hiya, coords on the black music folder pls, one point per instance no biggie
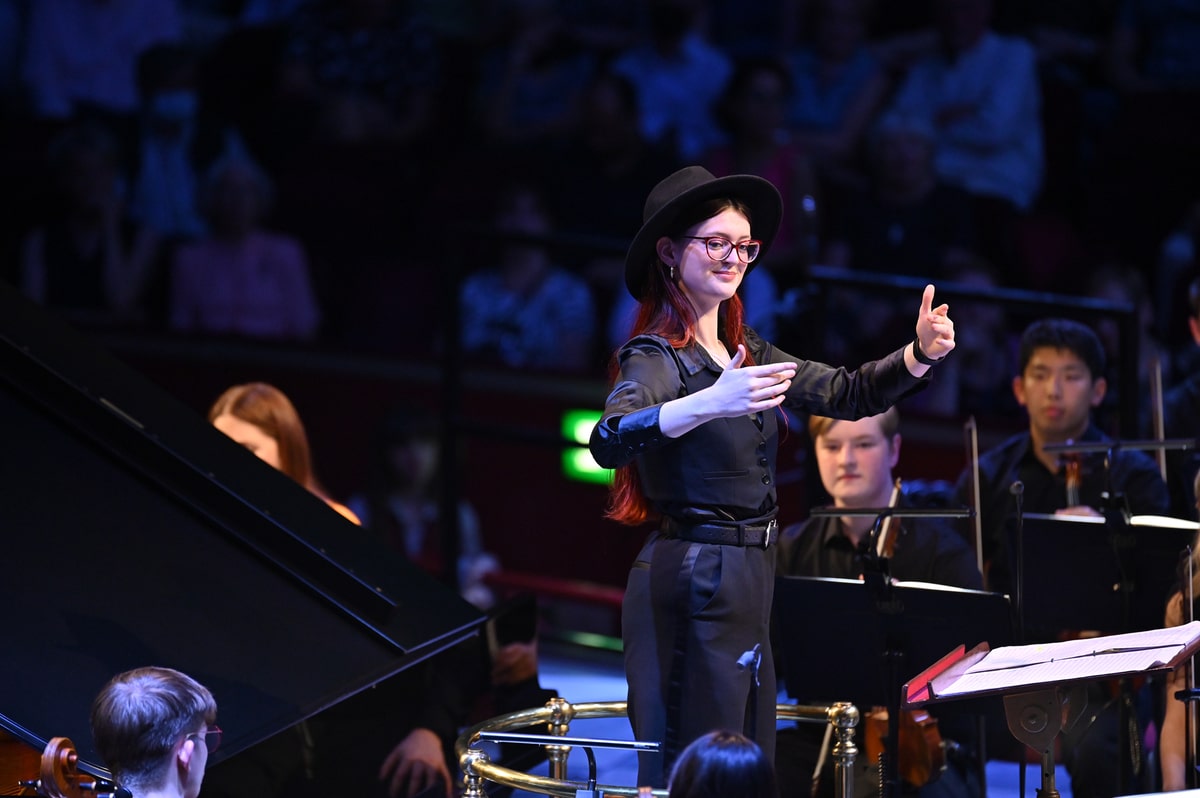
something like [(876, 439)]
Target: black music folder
[(1080, 573), (137, 534)]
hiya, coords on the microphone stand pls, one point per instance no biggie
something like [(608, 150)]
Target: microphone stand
[(1017, 489), (1123, 541)]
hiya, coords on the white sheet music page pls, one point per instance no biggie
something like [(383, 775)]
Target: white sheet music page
[(1009, 667)]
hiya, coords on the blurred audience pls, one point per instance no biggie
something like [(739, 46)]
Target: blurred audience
[(678, 75), (359, 71), (1153, 46), (90, 260), (531, 84), (908, 220), (1181, 420), (176, 142), (751, 112), (838, 87), (599, 180), (1124, 286), (240, 279), (80, 55), (980, 92), (521, 310), (401, 503)]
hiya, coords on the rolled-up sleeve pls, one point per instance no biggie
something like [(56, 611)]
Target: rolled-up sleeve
[(648, 377)]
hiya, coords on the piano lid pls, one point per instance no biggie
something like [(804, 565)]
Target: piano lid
[(136, 534)]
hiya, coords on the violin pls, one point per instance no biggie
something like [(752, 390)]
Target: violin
[(1073, 462), (922, 751)]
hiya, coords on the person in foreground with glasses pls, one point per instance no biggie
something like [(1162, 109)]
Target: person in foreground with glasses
[(692, 431), (155, 729)]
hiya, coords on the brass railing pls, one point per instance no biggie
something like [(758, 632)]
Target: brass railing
[(558, 714)]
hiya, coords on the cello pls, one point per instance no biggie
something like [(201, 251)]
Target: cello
[(57, 772)]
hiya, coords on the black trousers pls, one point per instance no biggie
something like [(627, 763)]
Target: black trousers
[(691, 612)]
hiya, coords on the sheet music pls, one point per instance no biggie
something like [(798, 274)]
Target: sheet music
[(1011, 667)]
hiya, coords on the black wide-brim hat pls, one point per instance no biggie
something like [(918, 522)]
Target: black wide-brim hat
[(683, 190)]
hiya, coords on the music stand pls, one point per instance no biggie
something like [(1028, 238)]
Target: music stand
[(1125, 581), (862, 641), (1041, 683)]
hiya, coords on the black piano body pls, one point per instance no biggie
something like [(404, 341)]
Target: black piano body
[(135, 534)]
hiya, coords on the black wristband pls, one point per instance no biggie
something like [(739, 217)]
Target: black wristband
[(921, 356)]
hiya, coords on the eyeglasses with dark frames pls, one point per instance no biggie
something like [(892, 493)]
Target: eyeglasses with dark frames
[(212, 738), (718, 248)]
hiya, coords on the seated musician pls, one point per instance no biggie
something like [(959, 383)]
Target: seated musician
[(1059, 380), (395, 739), (855, 460), (155, 728), (1173, 744)]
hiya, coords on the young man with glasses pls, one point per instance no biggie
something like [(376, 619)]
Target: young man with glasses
[(155, 728)]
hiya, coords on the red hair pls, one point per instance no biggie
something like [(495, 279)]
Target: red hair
[(666, 311), (269, 409)]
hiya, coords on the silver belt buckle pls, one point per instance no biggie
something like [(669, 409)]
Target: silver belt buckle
[(771, 526)]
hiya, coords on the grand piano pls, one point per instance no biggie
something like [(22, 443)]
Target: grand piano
[(135, 534)]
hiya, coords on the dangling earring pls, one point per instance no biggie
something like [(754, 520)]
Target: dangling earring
[(672, 272)]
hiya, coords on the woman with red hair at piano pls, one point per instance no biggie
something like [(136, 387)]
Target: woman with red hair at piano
[(262, 418)]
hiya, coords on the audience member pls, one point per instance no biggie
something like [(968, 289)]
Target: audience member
[(532, 83), (904, 221), (838, 87), (856, 460), (908, 220), (1153, 46), (90, 262), (1060, 379), (523, 310), (722, 764), (751, 112), (1124, 286), (80, 55), (980, 92), (358, 71), (401, 504), (678, 76), (263, 419), (177, 141), (1181, 420), (988, 345), (601, 176), (12, 46), (155, 729), (241, 279), (1177, 266)]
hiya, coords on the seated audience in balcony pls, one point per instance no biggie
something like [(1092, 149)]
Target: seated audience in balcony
[(241, 279), (520, 309), (89, 260)]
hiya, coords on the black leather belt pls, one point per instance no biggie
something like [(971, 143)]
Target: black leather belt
[(728, 533)]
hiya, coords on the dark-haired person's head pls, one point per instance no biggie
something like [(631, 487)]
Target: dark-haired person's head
[(723, 764), (1065, 334), (1061, 378), (154, 728)]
